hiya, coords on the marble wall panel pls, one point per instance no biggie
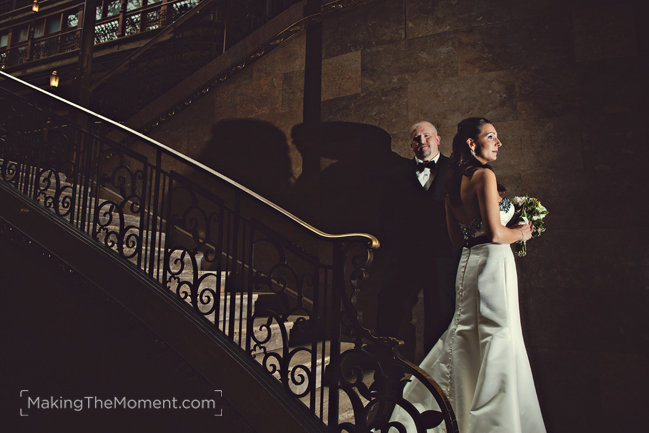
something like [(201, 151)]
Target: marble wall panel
[(366, 25), (610, 260), (623, 316), (427, 17), (512, 44), (623, 376), (564, 268), (560, 318), (446, 102), (527, 9), (551, 145), (231, 94), (613, 86), (545, 39), (292, 91), (549, 91), (627, 86), (604, 33), (288, 58), (245, 97), (191, 138), (341, 75), (615, 141), (567, 195), (417, 60), (615, 193), (489, 48), (568, 389), (386, 109)]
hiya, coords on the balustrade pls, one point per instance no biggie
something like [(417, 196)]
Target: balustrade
[(216, 246)]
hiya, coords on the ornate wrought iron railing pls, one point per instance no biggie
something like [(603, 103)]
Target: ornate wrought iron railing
[(218, 247)]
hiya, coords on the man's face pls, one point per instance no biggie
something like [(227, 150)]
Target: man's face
[(424, 141)]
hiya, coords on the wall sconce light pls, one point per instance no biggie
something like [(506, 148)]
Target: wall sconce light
[(54, 80), (35, 6)]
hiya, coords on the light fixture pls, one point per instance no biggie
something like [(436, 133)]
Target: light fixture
[(54, 80), (35, 6)]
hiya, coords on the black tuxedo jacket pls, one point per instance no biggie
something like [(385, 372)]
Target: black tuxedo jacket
[(413, 219)]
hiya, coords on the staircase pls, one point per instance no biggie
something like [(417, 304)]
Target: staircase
[(190, 244), (118, 230)]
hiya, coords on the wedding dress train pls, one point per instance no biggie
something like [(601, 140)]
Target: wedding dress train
[(480, 362)]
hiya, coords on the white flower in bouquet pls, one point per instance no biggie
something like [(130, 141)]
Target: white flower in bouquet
[(530, 209)]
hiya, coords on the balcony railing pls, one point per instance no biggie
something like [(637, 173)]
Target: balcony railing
[(29, 37), (109, 28)]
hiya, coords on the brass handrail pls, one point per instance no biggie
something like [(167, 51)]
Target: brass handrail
[(372, 241)]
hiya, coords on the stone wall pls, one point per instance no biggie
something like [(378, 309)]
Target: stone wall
[(565, 84)]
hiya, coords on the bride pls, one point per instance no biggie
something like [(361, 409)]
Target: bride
[(480, 362)]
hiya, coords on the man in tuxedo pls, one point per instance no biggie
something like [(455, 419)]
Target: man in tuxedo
[(420, 255)]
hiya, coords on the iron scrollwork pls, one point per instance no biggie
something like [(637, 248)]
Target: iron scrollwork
[(208, 244), (374, 397)]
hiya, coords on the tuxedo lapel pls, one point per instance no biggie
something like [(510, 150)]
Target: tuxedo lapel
[(412, 175), (437, 189), (431, 179)]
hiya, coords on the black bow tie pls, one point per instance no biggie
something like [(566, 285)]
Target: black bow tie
[(421, 166)]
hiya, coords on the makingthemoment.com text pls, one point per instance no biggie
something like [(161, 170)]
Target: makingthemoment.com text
[(117, 403)]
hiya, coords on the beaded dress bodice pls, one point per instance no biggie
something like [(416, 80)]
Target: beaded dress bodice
[(475, 228)]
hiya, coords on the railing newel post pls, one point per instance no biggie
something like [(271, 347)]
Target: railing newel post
[(338, 287), (154, 217)]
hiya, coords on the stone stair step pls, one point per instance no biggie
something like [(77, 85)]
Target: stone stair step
[(240, 306), (241, 302), (210, 281), (346, 412), (102, 232), (302, 357), (261, 333)]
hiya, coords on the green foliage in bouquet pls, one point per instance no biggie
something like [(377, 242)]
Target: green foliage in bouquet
[(529, 209)]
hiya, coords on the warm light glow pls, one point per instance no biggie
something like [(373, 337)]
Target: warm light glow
[(54, 80), (35, 6)]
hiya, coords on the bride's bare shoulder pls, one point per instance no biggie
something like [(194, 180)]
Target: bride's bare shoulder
[(483, 175)]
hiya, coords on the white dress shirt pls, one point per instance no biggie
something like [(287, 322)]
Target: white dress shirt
[(423, 176)]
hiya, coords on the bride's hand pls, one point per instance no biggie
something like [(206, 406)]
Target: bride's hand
[(526, 229)]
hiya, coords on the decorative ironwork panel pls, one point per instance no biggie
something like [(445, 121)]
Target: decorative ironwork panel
[(70, 42), (154, 19), (106, 31), (132, 24), (182, 7), (46, 48)]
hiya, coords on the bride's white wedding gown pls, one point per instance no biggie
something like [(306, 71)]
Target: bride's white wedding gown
[(480, 362)]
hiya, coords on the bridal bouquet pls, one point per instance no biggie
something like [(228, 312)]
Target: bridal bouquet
[(529, 209)]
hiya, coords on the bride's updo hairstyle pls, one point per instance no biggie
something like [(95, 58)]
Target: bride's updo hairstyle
[(462, 162)]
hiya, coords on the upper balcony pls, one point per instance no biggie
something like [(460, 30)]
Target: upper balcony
[(173, 39), (55, 30), (30, 38)]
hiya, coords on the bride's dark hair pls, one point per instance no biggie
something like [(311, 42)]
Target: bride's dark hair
[(462, 162)]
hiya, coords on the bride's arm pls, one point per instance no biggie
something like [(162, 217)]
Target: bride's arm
[(489, 201), (454, 231)]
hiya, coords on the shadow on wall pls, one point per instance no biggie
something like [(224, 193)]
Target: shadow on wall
[(346, 193), (340, 197), (253, 153), (342, 181)]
